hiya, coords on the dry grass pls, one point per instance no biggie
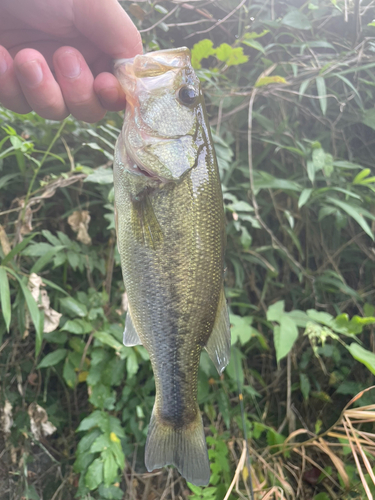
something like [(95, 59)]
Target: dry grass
[(282, 475)]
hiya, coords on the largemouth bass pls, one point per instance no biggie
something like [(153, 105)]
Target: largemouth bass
[(171, 239)]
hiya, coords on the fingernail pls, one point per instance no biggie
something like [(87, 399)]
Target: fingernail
[(3, 66), (110, 95), (69, 65), (31, 73)]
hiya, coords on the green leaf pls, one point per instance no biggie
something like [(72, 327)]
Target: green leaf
[(118, 454), (267, 80), (51, 238), (132, 364), (5, 297), (356, 324), (355, 213), (361, 175), (322, 93), (349, 84), (231, 56), (160, 9), (77, 326), (363, 356), (107, 339), (102, 397), (73, 307), (284, 336), (110, 467), (320, 317), (37, 249), (254, 34), (275, 311), (318, 158), (224, 406), (53, 358), (201, 50), (241, 329), (103, 442), (305, 385), (45, 259), (303, 88), (111, 492), (96, 419), (85, 443), (310, 171), (328, 165), (304, 197), (295, 19), (94, 474), (17, 249), (369, 118), (69, 374), (101, 175), (254, 45)]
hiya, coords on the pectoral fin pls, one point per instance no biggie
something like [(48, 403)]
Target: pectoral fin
[(145, 225), (131, 336), (218, 345)]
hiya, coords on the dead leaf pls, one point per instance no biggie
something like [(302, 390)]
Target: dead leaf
[(4, 242), (51, 317), (27, 227), (136, 11), (39, 424), (79, 222), (6, 418)]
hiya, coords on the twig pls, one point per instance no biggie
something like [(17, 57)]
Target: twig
[(221, 21), (160, 20)]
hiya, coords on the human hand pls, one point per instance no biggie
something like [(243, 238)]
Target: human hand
[(55, 56)]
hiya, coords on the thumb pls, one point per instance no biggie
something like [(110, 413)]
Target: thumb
[(108, 26)]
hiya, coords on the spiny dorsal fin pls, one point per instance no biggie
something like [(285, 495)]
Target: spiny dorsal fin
[(218, 345)]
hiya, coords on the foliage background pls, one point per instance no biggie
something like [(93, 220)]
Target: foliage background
[(298, 183)]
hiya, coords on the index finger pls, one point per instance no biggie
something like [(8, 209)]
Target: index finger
[(106, 24)]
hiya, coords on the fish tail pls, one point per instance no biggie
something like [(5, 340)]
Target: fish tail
[(184, 447)]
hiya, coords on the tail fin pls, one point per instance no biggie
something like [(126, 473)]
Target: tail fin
[(184, 448)]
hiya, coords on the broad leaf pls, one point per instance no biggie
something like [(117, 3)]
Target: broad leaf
[(284, 337), (53, 358), (363, 355)]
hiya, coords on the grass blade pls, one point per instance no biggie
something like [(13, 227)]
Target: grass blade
[(322, 93), (5, 297)]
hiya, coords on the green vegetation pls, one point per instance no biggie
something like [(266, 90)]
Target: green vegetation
[(298, 182)]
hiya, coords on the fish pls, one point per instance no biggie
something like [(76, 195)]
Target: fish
[(171, 239)]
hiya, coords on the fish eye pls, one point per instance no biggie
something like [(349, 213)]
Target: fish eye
[(187, 95)]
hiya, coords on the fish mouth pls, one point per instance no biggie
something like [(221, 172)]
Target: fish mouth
[(139, 169)]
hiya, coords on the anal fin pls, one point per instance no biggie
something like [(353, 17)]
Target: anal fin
[(131, 337), (218, 345)]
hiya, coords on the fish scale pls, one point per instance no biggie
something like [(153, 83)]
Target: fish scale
[(171, 239)]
